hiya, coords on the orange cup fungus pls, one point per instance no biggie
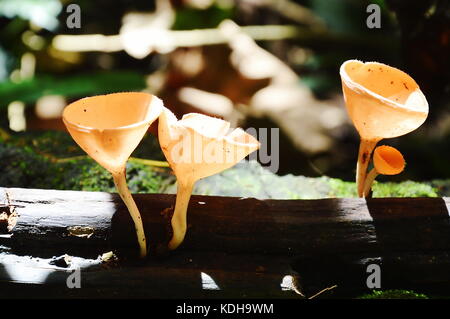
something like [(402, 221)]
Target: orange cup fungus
[(387, 160), (198, 146), (382, 102), (108, 128)]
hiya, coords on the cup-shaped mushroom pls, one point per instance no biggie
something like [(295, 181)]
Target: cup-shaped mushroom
[(382, 102), (108, 128), (198, 146), (387, 160)]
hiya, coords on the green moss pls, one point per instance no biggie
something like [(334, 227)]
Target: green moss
[(21, 167), (143, 179), (250, 179), (58, 144), (339, 188), (27, 160), (404, 189), (393, 294), (89, 176), (61, 145)]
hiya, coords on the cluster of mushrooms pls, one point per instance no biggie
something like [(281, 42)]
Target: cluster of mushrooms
[(109, 127), (382, 101)]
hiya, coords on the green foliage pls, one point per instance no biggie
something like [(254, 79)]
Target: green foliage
[(41, 12), (341, 16), (189, 18), (3, 64), (30, 90), (348, 16), (393, 294)]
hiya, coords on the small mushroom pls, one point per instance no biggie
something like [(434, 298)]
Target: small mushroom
[(387, 160), (198, 146), (382, 102), (108, 128)]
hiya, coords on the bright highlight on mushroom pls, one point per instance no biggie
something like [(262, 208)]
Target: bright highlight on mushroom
[(382, 102), (387, 160), (108, 128), (198, 146)]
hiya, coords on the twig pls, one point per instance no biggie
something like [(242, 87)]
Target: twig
[(131, 159), (203, 37), (322, 291), (149, 162), (183, 38), (65, 160)]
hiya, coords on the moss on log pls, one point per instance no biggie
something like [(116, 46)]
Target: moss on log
[(28, 161)]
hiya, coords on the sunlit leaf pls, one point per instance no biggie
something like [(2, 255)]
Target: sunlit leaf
[(41, 12)]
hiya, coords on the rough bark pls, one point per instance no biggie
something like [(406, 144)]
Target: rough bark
[(246, 245)]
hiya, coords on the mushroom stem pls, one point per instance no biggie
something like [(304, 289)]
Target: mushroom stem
[(366, 148), (179, 224), (121, 185), (369, 181)]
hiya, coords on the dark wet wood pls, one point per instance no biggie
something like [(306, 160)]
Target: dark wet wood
[(247, 244), (94, 222)]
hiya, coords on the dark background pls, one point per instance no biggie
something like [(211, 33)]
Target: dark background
[(414, 36)]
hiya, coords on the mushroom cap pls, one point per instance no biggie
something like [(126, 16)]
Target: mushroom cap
[(382, 101), (388, 160), (198, 146), (109, 127)]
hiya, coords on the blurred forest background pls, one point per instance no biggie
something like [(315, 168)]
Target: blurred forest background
[(255, 63)]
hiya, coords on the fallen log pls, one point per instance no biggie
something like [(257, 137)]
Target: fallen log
[(64, 221), (249, 243)]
